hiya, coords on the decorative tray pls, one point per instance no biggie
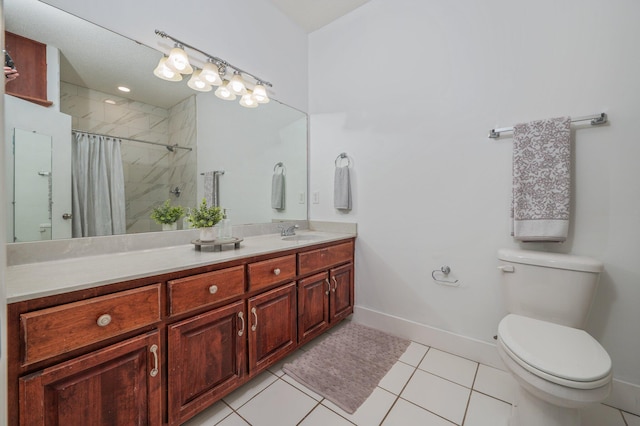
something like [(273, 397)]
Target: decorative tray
[(217, 244)]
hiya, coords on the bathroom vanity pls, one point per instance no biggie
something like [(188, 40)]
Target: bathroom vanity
[(141, 344)]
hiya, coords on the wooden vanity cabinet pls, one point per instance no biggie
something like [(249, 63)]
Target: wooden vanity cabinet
[(117, 385)]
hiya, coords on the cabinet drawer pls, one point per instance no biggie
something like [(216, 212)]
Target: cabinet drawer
[(201, 290), (54, 331), (272, 271), (317, 260)]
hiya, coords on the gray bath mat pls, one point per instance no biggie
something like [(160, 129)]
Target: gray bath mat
[(347, 366)]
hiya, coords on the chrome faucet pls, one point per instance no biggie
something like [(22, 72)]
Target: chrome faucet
[(286, 231)]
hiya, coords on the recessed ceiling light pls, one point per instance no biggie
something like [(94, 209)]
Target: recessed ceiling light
[(124, 89), (109, 101)]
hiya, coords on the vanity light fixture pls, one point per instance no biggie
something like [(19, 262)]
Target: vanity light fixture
[(164, 72), (213, 73), (196, 82)]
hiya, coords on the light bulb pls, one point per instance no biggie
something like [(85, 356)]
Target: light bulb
[(211, 74), (178, 61), (248, 101), (237, 84), (164, 72), (223, 92), (260, 94), (197, 83)]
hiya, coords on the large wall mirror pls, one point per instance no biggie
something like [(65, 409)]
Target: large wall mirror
[(85, 65)]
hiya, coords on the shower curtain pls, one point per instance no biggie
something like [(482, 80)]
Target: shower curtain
[(97, 186)]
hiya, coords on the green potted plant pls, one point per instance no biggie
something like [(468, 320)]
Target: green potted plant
[(167, 215), (205, 218)]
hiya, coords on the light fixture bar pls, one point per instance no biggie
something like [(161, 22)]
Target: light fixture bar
[(222, 61)]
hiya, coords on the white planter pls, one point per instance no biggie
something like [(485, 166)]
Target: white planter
[(208, 234), (170, 226)]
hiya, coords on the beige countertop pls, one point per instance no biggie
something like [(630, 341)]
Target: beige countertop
[(33, 280)]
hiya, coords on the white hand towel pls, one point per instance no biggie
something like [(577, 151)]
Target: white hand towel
[(342, 189), (277, 191), (541, 180), (210, 187)]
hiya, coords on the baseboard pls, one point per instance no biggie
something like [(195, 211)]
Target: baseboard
[(624, 396)]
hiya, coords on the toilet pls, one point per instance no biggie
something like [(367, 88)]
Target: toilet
[(558, 366)]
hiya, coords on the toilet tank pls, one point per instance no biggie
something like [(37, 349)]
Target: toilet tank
[(554, 287)]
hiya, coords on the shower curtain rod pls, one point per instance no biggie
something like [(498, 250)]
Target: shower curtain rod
[(169, 147), (595, 120)]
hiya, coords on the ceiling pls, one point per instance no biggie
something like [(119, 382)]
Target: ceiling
[(314, 14)]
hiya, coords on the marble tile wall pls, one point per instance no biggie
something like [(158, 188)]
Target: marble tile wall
[(150, 171)]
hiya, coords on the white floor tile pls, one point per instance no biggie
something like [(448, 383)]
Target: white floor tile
[(631, 419), (240, 396), (600, 414), (302, 387), (278, 405), (233, 420), (440, 396), (371, 412), (414, 353), (448, 366), (395, 380), (486, 411), (405, 413), (496, 383), (322, 416), (211, 416)]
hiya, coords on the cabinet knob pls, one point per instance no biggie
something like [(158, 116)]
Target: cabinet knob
[(213, 289), (276, 271), (104, 320)]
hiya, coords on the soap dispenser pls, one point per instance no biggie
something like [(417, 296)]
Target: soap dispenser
[(226, 232)]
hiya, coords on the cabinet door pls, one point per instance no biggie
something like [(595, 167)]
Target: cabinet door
[(313, 306), (206, 356), (272, 319), (341, 297), (117, 385)]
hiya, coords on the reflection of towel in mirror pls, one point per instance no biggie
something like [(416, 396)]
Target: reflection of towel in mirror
[(342, 189), (209, 187), (277, 191), (541, 180)]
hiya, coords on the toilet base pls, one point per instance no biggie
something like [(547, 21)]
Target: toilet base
[(529, 410)]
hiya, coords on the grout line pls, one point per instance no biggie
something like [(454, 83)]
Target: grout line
[(473, 382)]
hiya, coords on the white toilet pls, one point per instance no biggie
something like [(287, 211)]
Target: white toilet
[(558, 366)]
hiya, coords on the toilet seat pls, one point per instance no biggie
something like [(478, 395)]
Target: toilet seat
[(562, 355)]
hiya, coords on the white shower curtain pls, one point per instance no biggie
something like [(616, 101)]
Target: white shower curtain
[(97, 186)]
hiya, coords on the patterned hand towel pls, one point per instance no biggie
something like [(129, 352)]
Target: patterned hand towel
[(342, 189), (277, 191), (541, 180)]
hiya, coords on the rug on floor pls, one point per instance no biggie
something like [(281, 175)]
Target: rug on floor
[(346, 366)]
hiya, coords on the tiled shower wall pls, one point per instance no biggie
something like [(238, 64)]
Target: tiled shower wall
[(150, 171)]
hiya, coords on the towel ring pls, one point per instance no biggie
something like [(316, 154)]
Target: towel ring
[(280, 164), (341, 156), (444, 270)]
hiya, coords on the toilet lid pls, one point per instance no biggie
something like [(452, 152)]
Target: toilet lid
[(560, 351)]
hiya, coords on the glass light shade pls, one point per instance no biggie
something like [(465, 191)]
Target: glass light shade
[(164, 72), (223, 92), (178, 61), (210, 74), (196, 82), (236, 85), (248, 101), (260, 94)]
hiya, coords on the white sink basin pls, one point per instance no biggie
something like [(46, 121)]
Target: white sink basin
[(302, 237)]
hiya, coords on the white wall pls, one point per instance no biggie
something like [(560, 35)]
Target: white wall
[(410, 90), (250, 34)]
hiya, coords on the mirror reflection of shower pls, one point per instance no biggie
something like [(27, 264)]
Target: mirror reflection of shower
[(177, 191)]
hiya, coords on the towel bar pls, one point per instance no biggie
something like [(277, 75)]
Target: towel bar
[(595, 121)]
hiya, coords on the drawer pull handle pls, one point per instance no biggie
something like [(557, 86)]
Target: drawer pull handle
[(335, 284), (328, 286), (276, 271), (104, 320), (213, 289), (255, 316), (154, 350), (241, 316)]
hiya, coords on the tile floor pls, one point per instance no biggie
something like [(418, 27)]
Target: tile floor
[(426, 387)]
